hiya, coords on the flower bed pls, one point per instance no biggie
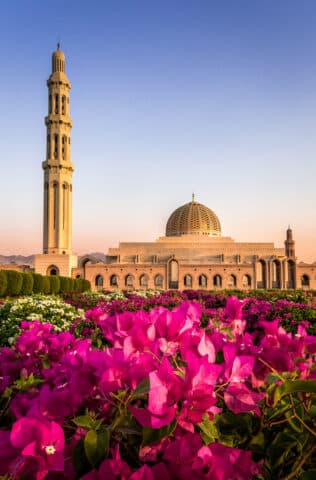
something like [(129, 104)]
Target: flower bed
[(198, 390), (37, 307)]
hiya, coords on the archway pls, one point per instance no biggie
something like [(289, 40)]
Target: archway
[(276, 274), (261, 274), (217, 281), (53, 270), (143, 281), (305, 281), (98, 282), (158, 280), (187, 281), (203, 281), (173, 274)]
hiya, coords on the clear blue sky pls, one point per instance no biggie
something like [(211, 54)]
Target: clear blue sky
[(168, 97)]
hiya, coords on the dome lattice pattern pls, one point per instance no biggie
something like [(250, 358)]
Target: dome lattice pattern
[(193, 219)]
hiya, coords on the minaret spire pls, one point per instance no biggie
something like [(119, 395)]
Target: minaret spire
[(289, 244), (57, 166)]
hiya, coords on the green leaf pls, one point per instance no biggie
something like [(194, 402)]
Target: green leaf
[(84, 421), (154, 435), (209, 430), (103, 443), (91, 446), (273, 378), (293, 386), (219, 357), (283, 443), (79, 459), (142, 389), (257, 442), (46, 363)]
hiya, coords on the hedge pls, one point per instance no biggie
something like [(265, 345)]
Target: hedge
[(14, 284), (27, 284), (38, 286), (54, 284), (3, 282), (46, 285)]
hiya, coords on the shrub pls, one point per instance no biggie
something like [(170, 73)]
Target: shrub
[(3, 282), (27, 284), (86, 285), (14, 284), (64, 284), (46, 285), (54, 284), (38, 285), (71, 284)]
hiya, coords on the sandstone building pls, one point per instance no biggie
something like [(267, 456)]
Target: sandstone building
[(192, 254)]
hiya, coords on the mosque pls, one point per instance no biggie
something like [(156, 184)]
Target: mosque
[(192, 254)]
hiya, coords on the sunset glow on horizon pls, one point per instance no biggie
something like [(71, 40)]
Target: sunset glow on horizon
[(167, 99)]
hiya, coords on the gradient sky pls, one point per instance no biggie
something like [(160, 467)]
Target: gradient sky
[(168, 97)]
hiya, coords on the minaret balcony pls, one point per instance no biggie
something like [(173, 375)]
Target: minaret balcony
[(56, 118), (57, 164)]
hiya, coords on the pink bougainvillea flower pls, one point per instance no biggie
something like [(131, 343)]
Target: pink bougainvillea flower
[(237, 368), (225, 463), (8, 453), (143, 473), (239, 399), (180, 454), (233, 308), (41, 440), (111, 469), (165, 390)]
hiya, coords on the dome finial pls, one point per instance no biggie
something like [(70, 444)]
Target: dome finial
[(193, 198), (58, 45)]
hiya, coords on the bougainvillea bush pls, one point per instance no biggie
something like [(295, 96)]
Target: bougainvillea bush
[(160, 394)]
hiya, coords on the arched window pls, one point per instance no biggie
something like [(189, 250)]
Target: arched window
[(64, 147), (158, 280), (291, 274), (53, 270), (50, 108), (246, 281), (305, 281), (48, 146), (56, 104), (232, 281), (63, 105), (78, 276), (203, 281), (187, 281), (173, 274), (143, 281), (114, 280), (276, 274), (99, 281), (56, 146), (261, 274), (129, 281), (217, 281), (55, 187)]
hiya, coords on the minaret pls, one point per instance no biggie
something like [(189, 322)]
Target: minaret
[(57, 258), (57, 166), (289, 244)]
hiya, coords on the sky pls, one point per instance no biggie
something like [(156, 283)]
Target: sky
[(168, 97)]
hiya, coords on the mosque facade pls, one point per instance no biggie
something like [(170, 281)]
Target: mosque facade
[(192, 254)]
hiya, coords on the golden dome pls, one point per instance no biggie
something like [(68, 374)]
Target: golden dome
[(193, 219)]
